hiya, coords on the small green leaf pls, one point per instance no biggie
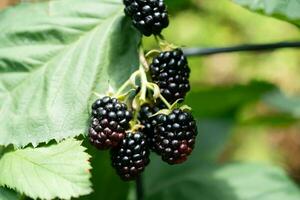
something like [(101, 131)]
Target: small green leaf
[(53, 56), (57, 171), (6, 194), (229, 182), (225, 101), (288, 10), (213, 135)]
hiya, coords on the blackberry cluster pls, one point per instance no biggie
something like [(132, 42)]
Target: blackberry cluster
[(170, 71), (148, 16), (131, 157), (171, 136), (110, 120)]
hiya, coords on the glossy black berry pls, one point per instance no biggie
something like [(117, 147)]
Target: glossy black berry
[(174, 136), (110, 120), (170, 71), (131, 156), (147, 121), (148, 16)]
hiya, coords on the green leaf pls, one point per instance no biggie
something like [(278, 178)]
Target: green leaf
[(229, 182), (224, 101), (6, 194), (57, 171), (213, 135), (284, 103), (53, 56), (288, 10)]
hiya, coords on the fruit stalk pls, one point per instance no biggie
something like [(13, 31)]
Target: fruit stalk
[(139, 188)]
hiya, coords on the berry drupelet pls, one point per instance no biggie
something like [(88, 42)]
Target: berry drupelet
[(110, 120), (147, 121), (148, 16), (170, 71), (131, 157), (174, 136)]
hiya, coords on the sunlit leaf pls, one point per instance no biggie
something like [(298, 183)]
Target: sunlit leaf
[(53, 56), (57, 171)]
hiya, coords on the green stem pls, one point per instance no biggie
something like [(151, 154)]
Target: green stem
[(165, 101), (151, 87), (135, 121), (139, 188), (153, 51), (144, 83), (157, 40), (123, 87), (161, 37), (143, 59), (127, 83)]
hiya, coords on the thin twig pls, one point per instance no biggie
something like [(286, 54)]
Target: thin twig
[(239, 48)]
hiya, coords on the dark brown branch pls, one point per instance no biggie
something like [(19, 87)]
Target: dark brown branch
[(240, 48)]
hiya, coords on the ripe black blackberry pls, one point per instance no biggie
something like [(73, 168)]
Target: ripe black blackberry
[(110, 120), (148, 16), (131, 157), (170, 71), (174, 136), (148, 122)]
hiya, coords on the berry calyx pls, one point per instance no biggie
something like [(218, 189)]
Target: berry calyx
[(170, 71), (110, 120), (148, 16), (131, 156)]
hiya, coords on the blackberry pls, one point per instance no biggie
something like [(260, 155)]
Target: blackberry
[(110, 120), (147, 121), (174, 136), (131, 157), (148, 16), (170, 71)]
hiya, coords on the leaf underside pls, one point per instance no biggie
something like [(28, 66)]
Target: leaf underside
[(53, 56), (283, 103), (229, 182)]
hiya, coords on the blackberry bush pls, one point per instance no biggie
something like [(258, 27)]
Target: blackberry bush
[(170, 71), (174, 135), (131, 157), (110, 120), (148, 16)]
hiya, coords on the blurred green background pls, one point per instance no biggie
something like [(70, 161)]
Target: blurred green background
[(255, 92)]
